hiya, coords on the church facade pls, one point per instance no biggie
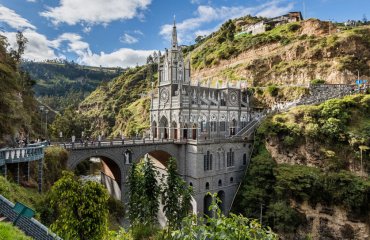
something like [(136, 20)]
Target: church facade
[(205, 120)]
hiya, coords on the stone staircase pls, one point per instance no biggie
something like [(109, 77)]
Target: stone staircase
[(29, 226)]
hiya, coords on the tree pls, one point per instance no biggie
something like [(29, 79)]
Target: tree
[(176, 196), (199, 39), (134, 195), (82, 208), (70, 123), (221, 227), (151, 192), (21, 46)]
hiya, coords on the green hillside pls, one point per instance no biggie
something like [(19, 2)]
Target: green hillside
[(290, 54), (18, 106), (293, 53), (310, 158), (60, 84), (116, 106)]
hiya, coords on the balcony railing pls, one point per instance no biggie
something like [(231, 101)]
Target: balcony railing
[(26, 154)]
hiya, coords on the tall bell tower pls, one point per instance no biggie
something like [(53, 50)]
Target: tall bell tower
[(173, 71)]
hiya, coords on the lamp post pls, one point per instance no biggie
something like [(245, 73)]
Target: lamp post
[(41, 110), (46, 123)]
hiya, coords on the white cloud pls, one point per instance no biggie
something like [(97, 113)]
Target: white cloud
[(274, 10), (94, 11), (38, 47), (138, 32), (127, 38), (87, 29), (189, 28), (32, 1), (124, 57), (14, 20)]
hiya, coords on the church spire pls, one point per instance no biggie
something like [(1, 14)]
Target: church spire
[(174, 34)]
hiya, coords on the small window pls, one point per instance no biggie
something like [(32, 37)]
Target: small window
[(244, 159), (190, 184), (222, 126), (207, 161), (213, 126), (207, 186), (231, 180), (203, 126), (230, 158), (220, 183)]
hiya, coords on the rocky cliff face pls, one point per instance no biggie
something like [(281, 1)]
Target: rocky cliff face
[(317, 50), (329, 222)]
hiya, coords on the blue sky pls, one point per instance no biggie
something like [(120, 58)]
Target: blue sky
[(123, 32)]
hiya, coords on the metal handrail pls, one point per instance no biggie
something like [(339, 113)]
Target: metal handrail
[(15, 155)]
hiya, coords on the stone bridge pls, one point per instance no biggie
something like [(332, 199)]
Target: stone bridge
[(226, 159), (117, 157)]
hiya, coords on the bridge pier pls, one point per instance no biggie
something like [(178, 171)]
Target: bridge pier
[(17, 174), (39, 180)]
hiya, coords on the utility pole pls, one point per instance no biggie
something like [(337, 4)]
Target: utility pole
[(261, 213)]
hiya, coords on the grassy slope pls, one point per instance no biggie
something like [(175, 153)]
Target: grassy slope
[(116, 105), (315, 52), (9, 232), (14, 193)]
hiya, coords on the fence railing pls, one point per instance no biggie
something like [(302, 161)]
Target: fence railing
[(15, 155)]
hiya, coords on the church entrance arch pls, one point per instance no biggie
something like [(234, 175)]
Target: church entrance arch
[(185, 131), (174, 130), (163, 128)]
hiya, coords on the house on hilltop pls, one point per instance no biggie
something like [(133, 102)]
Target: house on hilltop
[(266, 25)]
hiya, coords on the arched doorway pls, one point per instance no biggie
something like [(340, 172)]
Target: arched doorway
[(174, 130), (233, 127), (154, 129), (221, 204), (207, 201), (194, 131), (185, 131), (163, 128)]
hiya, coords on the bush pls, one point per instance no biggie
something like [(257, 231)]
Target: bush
[(294, 27), (317, 81), (285, 218), (273, 90), (116, 208), (289, 141)]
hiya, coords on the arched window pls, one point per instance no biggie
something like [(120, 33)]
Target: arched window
[(207, 160), (244, 159), (222, 126), (231, 180), (213, 126), (203, 126), (190, 184), (219, 182), (230, 158), (207, 185)]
